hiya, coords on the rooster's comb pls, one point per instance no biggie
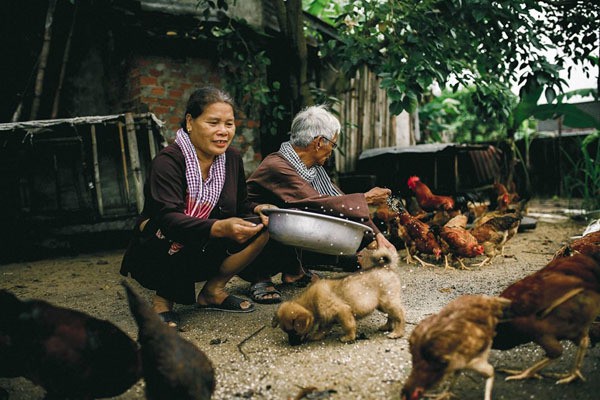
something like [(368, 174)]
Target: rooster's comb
[(412, 181)]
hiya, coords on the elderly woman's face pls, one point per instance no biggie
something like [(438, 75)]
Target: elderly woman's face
[(325, 148), (212, 131)]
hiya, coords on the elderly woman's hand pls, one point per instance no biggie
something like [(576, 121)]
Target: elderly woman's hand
[(377, 195), (258, 210), (383, 242), (236, 229)]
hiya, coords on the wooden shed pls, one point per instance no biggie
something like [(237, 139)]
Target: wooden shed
[(447, 168), (64, 178)]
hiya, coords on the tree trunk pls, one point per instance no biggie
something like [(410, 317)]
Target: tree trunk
[(63, 66), (291, 23), (39, 82)]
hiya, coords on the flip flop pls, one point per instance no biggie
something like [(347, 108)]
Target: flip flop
[(170, 317), (230, 304), (259, 290)]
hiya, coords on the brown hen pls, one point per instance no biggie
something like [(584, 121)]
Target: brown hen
[(458, 337), (426, 199), (588, 245), (494, 233), (558, 302), (173, 367), (504, 197), (72, 355), (456, 242), (417, 237)]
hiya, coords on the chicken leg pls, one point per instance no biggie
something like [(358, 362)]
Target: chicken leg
[(488, 260), (530, 372), (423, 263), (575, 372)]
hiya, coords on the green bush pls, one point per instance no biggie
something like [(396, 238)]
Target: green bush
[(585, 178)]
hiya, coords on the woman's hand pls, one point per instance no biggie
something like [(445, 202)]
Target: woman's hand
[(377, 195), (236, 229), (258, 210)]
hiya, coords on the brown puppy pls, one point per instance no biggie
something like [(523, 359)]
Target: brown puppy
[(311, 315)]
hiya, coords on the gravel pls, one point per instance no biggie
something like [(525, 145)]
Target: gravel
[(254, 361)]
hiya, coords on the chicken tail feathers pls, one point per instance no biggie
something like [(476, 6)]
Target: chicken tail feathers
[(11, 307), (141, 311)]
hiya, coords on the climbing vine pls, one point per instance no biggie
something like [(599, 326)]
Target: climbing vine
[(247, 62)]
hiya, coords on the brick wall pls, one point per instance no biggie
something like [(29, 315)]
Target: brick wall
[(162, 86)]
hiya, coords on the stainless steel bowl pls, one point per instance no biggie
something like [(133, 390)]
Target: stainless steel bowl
[(315, 232)]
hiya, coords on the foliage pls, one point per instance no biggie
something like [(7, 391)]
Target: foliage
[(585, 178), (326, 10), (488, 44), (248, 62), (462, 116)]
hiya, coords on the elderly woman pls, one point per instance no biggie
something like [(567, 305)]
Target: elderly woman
[(294, 177), (192, 226)]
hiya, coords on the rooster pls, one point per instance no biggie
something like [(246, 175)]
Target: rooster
[(426, 199), (173, 367), (458, 337), (69, 353), (558, 302)]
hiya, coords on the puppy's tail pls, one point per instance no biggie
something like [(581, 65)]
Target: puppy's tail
[(381, 257)]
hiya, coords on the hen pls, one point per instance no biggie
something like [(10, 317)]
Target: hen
[(426, 199), (558, 302), (494, 233), (384, 215), (417, 237), (458, 337), (456, 241), (173, 367), (69, 353), (504, 197), (588, 245)]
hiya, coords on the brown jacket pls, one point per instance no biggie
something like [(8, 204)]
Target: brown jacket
[(277, 182)]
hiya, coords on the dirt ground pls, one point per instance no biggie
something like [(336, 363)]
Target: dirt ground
[(254, 361)]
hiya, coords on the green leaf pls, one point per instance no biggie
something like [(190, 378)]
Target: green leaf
[(550, 94)]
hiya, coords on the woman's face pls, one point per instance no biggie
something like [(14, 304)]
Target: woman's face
[(212, 131), (325, 149)]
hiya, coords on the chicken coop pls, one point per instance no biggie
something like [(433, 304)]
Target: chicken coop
[(447, 168), (64, 179)]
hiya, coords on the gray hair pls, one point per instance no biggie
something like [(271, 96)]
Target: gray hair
[(312, 122)]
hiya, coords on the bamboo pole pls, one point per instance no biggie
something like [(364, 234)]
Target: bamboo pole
[(124, 162), (151, 140), (39, 81), (135, 160), (97, 172)]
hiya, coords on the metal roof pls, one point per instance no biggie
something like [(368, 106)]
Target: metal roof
[(420, 148), (33, 126)]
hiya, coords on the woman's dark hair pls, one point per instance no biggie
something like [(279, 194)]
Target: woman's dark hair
[(202, 98)]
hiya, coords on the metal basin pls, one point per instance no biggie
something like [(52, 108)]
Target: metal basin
[(315, 232)]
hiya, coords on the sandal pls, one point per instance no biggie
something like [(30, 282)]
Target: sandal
[(230, 304), (171, 318), (260, 290), (305, 280)]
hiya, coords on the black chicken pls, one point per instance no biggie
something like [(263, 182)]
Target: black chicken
[(70, 354), (173, 367)]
